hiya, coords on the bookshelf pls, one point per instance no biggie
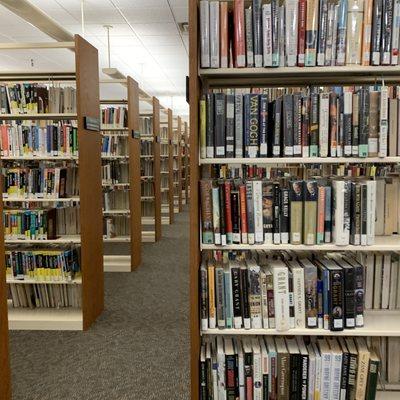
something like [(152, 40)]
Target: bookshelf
[(151, 184), (171, 166), (177, 168), (383, 323), (91, 284), (127, 256), (5, 375), (185, 168)]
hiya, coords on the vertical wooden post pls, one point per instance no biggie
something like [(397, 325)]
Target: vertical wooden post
[(5, 375), (186, 133), (179, 164), (157, 168), (134, 174), (90, 190), (194, 244), (171, 166)]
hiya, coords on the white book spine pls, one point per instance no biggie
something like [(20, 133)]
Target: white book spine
[(214, 34), (267, 34), (371, 210), (383, 122), (242, 394), (221, 369), (339, 234), (326, 361), (257, 377), (318, 371), (311, 376), (291, 26), (299, 299), (258, 217), (323, 124), (281, 298), (281, 35), (336, 373), (386, 281)]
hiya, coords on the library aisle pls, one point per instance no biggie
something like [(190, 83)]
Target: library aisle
[(138, 348)]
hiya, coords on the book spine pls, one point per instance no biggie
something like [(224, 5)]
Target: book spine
[(376, 32), (347, 122), (321, 215), (296, 212), (325, 288), (205, 34), (288, 125), (387, 20), (268, 211), (249, 37), (359, 295), (355, 126), (257, 33), (305, 125), (396, 32), (352, 376), (282, 34), (371, 210), (255, 297), (299, 298), (276, 145), (212, 317), (243, 213), (263, 125), (264, 299), (220, 296), (220, 123), (281, 298), (206, 211), (323, 124), (228, 298), (291, 14), (251, 110), (228, 212), (373, 136), (271, 301), (238, 126), (364, 217), (312, 14), (320, 303), (214, 35), (231, 376), (341, 33), (216, 216), (301, 43), (383, 122), (285, 216), (224, 41), (314, 127), (328, 215), (230, 125), (275, 33), (310, 211), (367, 32), (203, 298), (311, 299), (267, 33), (349, 298), (203, 129), (276, 209), (222, 213), (323, 23), (235, 217), (355, 16), (210, 125), (258, 217), (336, 300), (329, 35), (244, 297), (250, 213), (248, 373), (239, 34), (237, 305), (297, 127), (333, 123)]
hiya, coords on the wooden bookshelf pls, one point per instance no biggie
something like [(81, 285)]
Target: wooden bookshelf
[(5, 375), (186, 163), (90, 203), (132, 260), (376, 324), (171, 166), (177, 167)]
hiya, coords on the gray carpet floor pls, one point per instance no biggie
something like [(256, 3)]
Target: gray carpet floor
[(139, 347)]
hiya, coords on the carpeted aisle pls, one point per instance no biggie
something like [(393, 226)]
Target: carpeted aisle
[(138, 349)]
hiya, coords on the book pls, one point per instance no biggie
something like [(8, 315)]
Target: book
[(204, 33)]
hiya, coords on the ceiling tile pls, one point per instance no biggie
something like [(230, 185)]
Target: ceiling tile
[(124, 4), (178, 50), (155, 28), (158, 40), (181, 14), (103, 16), (148, 15)]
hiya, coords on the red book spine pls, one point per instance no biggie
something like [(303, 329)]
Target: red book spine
[(301, 43), (239, 35), (223, 31), (243, 213), (228, 212)]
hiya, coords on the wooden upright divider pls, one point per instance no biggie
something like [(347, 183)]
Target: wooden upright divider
[(90, 189), (194, 241), (171, 166), (134, 173), (180, 164), (157, 169), (5, 375), (186, 163)]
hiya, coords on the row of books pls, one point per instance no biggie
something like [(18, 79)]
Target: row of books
[(34, 98), (30, 224), (340, 211), (147, 209), (282, 292), (292, 368), (146, 167), (388, 348), (114, 117), (39, 182), (315, 122), (147, 188), (43, 265), (116, 226), (113, 145), (299, 33), (146, 148), (115, 200), (68, 221), (45, 295), (114, 172), (146, 126), (55, 139)]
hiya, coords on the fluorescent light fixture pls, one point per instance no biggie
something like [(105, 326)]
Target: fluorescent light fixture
[(113, 73)]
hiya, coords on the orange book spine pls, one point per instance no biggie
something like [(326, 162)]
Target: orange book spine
[(367, 32)]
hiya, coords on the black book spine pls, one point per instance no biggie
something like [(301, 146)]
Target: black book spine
[(251, 129), (237, 307), (230, 125), (353, 208), (297, 127), (265, 384), (364, 215), (219, 125), (209, 375), (270, 128), (230, 362), (276, 143), (210, 125), (285, 215), (277, 208), (304, 377), (203, 294), (248, 372), (364, 123), (376, 32), (345, 371), (349, 298), (387, 22), (268, 212), (352, 377), (314, 125), (244, 293), (257, 33), (288, 125), (263, 123), (336, 300), (222, 221), (203, 381), (359, 294), (235, 217), (295, 383)]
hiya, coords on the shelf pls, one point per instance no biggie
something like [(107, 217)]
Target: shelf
[(148, 220), (117, 239), (116, 185), (376, 324), (300, 160), (103, 157), (382, 243), (40, 158), (66, 116), (387, 395), (116, 212), (298, 75), (148, 177), (41, 200), (117, 263), (28, 281), (45, 319), (150, 156), (147, 198), (61, 240), (148, 236), (102, 129)]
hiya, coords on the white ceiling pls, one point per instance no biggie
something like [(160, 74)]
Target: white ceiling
[(145, 42)]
